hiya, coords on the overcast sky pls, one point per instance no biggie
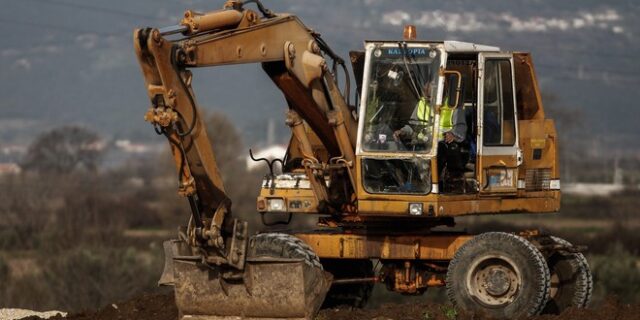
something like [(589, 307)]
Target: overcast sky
[(71, 61)]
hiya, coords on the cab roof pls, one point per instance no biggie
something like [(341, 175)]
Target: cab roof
[(459, 46), (452, 46)]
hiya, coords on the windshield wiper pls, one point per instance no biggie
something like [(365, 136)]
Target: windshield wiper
[(419, 69), (417, 92)]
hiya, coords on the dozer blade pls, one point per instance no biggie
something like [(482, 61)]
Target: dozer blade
[(270, 288)]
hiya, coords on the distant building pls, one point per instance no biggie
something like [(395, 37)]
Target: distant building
[(11, 153), (597, 189), (9, 168), (129, 147), (13, 149), (592, 189), (98, 145)]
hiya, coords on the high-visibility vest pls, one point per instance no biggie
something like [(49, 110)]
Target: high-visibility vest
[(446, 117), (423, 111)]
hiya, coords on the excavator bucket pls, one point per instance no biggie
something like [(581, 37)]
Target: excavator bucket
[(269, 288)]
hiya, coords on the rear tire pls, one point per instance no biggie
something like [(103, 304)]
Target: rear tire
[(282, 245), (571, 281), (498, 275), (355, 295)]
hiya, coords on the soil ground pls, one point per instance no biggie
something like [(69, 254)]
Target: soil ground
[(160, 306)]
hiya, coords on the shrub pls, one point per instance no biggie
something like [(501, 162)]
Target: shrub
[(87, 278), (617, 273)]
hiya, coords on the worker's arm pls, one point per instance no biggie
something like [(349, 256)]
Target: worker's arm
[(421, 113), (459, 130)]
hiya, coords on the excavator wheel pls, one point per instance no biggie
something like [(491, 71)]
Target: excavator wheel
[(571, 281), (282, 245), (498, 275), (353, 295)]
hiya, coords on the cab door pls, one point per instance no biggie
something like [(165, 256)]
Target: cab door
[(498, 152)]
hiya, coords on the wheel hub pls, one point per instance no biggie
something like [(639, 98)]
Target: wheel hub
[(497, 282), (494, 281)]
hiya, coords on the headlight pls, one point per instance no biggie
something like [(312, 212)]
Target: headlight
[(276, 205), (415, 209)]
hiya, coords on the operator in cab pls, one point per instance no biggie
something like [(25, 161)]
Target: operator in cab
[(416, 132), (453, 131)]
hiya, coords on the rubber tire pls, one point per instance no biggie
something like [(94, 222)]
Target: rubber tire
[(575, 279), (353, 295), (282, 245), (534, 291)]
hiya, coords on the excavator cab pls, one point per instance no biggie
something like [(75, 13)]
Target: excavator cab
[(397, 128), (397, 119), (413, 92)]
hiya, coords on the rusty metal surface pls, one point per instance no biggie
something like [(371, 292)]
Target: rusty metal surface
[(529, 101), (270, 289), (362, 246), (193, 154), (167, 279), (542, 202)]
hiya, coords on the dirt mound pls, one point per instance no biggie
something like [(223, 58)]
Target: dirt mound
[(405, 311), (157, 306), (611, 309), (161, 306)]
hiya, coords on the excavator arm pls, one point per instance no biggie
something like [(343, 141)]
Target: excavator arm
[(292, 55)]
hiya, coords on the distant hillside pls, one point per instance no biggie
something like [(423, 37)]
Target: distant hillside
[(72, 61)]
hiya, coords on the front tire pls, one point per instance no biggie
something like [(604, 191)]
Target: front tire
[(571, 281), (283, 245), (499, 275)]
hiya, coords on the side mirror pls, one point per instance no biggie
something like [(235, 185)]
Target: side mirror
[(453, 83)]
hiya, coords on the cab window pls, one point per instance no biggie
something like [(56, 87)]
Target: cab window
[(499, 116)]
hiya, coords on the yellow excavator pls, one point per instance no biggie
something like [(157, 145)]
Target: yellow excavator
[(436, 130)]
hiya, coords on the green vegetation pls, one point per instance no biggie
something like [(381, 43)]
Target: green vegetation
[(449, 311), (617, 272), (83, 236)]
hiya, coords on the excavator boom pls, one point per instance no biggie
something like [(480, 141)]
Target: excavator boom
[(290, 53), (322, 125)]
